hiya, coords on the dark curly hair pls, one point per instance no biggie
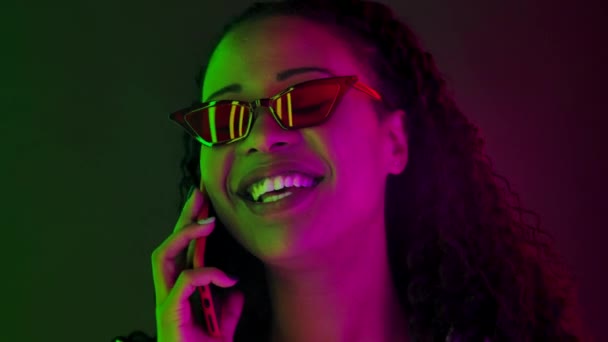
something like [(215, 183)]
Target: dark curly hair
[(465, 258)]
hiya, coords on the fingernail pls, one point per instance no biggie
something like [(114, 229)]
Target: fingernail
[(207, 220)]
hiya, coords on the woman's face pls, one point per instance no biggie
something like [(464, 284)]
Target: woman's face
[(352, 150)]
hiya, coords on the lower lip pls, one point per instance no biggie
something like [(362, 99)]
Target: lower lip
[(298, 197)]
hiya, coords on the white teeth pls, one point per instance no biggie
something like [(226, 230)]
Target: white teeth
[(288, 181), (277, 183)]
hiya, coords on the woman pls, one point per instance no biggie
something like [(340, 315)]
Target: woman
[(373, 216)]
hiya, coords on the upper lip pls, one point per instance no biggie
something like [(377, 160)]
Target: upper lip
[(273, 169)]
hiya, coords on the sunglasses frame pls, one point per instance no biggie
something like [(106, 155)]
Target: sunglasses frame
[(345, 82)]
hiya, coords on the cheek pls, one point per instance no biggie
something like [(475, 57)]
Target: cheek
[(213, 173), (350, 136), (354, 154)]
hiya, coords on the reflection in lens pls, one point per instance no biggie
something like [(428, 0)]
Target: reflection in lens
[(221, 122), (303, 106), (308, 105)]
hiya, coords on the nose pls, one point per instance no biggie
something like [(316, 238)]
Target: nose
[(266, 135)]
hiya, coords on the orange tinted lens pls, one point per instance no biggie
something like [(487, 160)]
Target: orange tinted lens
[(220, 123), (306, 105)]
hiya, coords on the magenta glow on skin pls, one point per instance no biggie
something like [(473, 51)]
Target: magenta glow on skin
[(321, 255)]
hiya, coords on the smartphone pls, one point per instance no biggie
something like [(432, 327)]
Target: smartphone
[(207, 302)]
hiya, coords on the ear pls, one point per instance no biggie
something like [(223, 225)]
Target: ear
[(395, 142)]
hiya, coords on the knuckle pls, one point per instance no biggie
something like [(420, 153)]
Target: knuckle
[(213, 270), (186, 230), (156, 255), (198, 276), (186, 276), (194, 275), (159, 252), (195, 231)]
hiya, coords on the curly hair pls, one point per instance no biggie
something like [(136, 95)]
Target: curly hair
[(466, 260)]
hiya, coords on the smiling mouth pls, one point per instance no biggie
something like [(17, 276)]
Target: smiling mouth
[(282, 193)]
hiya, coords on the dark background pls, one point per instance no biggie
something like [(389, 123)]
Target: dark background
[(90, 161)]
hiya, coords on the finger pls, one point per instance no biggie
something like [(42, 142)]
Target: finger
[(179, 240), (190, 211), (189, 280), (165, 268), (231, 313)]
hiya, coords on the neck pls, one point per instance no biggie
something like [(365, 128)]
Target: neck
[(345, 294)]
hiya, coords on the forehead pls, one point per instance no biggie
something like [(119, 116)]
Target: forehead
[(254, 53)]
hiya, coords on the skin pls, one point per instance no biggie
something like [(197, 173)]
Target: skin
[(328, 272)]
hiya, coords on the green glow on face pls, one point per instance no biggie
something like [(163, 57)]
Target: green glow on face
[(350, 144)]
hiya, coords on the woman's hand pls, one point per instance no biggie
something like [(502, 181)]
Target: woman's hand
[(173, 284)]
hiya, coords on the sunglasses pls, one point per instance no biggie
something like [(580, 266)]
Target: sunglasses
[(303, 105)]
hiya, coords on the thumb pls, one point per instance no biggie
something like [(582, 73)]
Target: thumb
[(231, 313)]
